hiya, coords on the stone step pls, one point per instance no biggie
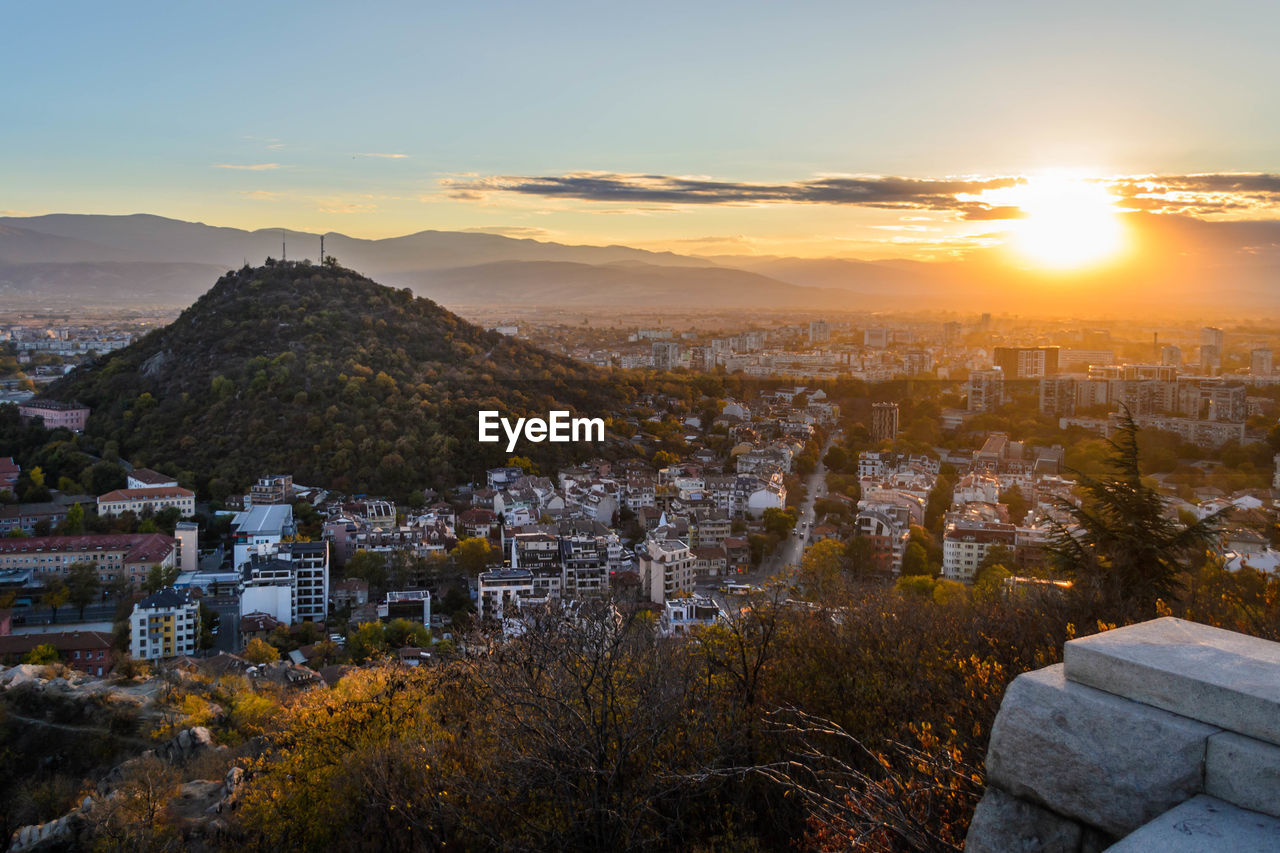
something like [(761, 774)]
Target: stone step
[(1091, 756), (1204, 824), (1218, 677)]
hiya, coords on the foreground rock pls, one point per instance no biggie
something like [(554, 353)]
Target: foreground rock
[(1125, 740)]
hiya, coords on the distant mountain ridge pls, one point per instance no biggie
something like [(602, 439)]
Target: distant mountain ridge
[(1173, 265)]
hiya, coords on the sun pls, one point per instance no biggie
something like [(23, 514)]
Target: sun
[(1068, 222)]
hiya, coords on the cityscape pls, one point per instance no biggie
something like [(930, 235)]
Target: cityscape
[(744, 429)]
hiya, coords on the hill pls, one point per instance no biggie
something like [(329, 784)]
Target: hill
[(631, 285), (325, 374)]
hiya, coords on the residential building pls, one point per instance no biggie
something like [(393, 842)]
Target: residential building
[(88, 651), (666, 569), (884, 421), (292, 573), (501, 592), (26, 517), (666, 355), (986, 390), (55, 414), (272, 490), (145, 478), (966, 543), (1260, 363), (146, 501), (679, 615), (1026, 362), (187, 536), (165, 624), (259, 525), (128, 554), (9, 472), (1171, 355), (819, 331)]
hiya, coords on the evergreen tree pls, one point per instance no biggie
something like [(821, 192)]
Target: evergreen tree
[(1122, 548)]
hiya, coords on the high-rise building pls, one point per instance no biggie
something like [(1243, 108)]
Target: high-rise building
[(877, 337), (1212, 348), (1027, 362), (666, 355), (1058, 395), (819, 331), (986, 390), (1260, 362), (1171, 355), (1210, 359), (884, 421)]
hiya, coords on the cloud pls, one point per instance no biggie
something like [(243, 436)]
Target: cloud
[(1208, 194), (261, 195), (983, 213), (863, 191), (520, 231), (248, 167), (384, 156), (1203, 194)]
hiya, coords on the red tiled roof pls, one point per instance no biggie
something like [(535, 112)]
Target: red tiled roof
[(147, 494), (138, 547)]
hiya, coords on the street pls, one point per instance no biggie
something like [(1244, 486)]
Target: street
[(786, 559)]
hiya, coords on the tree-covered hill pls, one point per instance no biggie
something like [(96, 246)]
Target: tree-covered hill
[(322, 373)]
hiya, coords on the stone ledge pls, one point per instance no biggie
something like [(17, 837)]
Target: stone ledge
[(1244, 772), (1091, 756), (1204, 825), (1218, 677), (1006, 824)]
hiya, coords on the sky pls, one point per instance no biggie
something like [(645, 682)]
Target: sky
[(843, 129)]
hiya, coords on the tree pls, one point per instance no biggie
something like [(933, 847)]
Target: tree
[(159, 577), (1121, 547), (56, 595), (259, 651), (779, 522), (1016, 502), (862, 556), (83, 584), (368, 566), (820, 570), (664, 459), (915, 560), (41, 655), (473, 554), (367, 641), (74, 522)]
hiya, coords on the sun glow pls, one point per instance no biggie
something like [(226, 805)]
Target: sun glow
[(1067, 223)]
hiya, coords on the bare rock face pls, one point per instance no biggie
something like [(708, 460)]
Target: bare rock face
[(1005, 824), (1090, 756)]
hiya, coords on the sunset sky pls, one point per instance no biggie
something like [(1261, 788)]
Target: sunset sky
[(807, 129)]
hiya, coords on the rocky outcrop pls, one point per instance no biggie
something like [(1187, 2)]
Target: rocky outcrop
[(198, 802)]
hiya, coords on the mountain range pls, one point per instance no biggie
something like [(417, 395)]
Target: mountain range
[(1175, 264)]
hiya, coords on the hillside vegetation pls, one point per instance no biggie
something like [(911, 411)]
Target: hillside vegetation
[(323, 373)]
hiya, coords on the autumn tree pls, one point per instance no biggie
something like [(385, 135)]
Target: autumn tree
[(259, 651), (473, 554)]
